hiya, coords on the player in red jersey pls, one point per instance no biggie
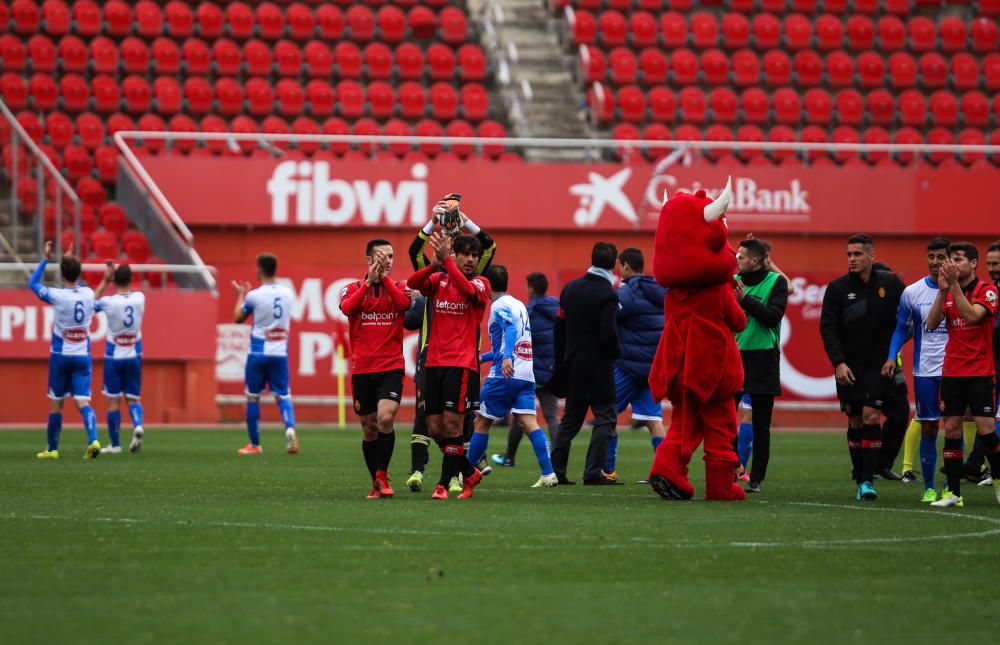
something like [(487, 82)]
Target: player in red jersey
[(458, 298), (375, 309), (969, 305)]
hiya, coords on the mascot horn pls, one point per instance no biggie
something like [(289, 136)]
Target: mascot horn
[(697, 364)]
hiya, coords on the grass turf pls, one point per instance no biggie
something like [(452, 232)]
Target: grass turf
[(187, 541)]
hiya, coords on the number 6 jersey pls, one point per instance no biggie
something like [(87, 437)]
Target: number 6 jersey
[(124, 312), (271, 308)]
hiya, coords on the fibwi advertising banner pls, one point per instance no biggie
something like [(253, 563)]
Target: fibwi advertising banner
[(295, 191), (318, 327)]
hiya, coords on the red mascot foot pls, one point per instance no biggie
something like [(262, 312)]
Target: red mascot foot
[(719, 483), (668, 477)]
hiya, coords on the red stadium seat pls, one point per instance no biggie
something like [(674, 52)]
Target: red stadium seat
[(381, 99), (625, 132), (31, 124), (631, 104), (777, 68), (766, 31), (912, 108), (55, 18), (454, 26), (876, 135), (718, 133), (989, 8), (902, 71), (444, 101), (891, 34), (984, 35), (196, 57), (77, 162), (180, 19), (905, 136), (291, 97), (772, 6), (975, 109), (662, 105), (813, 134), (229, 93), (845, 134), (136, 247), (90, 128), (398, 128), (751, 134), (897, 7), (198, 96), (260, 97), (45, 93), (471, 63), (148, 20), (441, 62), (14, 55), (693, 104), (118, 18), (410, 62), (73, 54), (167, 95), (240, 125), (923, 36), (107, 95), (781, 134), (839, 69), (460, 128), (829, 33), (75, 93), (412, 100), (808, 68), (601, 103), (612, 29), (210, 20), (135, 56), (798, 31), (704, 30), (971, 137), (276, 125), (113, 218), (475, 102), (103, 54), (944, 109), (378, 61), (428, 128), (755, 105), (105, 245), (871, 69), (270, 21), (818, 106), (954, 37), (714, 67), (746, 68), (287, 59), (724, 105), (25, 16), (656, 132), (624, 66), (643, 30), (849, 107), (787, 106), (860, 33), (240, 20), (14, 89), (330, 22), (59, 129), (87, 18), (166, 56), (350, 99), (940, 137), (673, 26), (964, 72), (423, 23), (106, 162), (349, 60), (226, 57), (320, 99), (391, 24), (300, 22), (933, 71), (360, 24), (881, 107), (683, 67), (735, 31)]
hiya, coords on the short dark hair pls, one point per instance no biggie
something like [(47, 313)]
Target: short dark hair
[(497, 275), (968, 249), (268, 264), (993, 248), (755, 248), (467, 244), (603, 255), (123, 275), (539, 283), (632, 257), (70, 268), (861, 238), (938, 244), (378, 241)]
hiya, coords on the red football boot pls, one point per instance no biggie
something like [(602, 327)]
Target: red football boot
[(470, 482), (375, 494), (719, 483), (668, 476), (382, 484), (440, 492)]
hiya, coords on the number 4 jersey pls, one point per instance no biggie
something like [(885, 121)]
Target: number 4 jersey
[(270, 305), (124, 312)]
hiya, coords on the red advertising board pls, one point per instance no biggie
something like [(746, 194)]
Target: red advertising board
[(321, 191)]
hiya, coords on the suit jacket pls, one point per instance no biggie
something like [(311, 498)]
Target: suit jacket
[(586, 336)]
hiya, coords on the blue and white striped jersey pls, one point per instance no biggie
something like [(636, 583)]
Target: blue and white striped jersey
[(271, 307), (124, 312), (73, 309)]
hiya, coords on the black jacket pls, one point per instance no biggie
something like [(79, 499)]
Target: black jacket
[(761, 367), (857, 320), (586, 335)]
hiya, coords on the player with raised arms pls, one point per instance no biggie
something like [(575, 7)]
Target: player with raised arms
[(69, 360), (124, 310), (510, 385), (267, 365), (375, 308)]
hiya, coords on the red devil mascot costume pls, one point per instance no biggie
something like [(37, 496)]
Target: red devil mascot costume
[(697, 364)]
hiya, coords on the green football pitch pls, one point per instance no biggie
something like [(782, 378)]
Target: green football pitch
[(188, 542)]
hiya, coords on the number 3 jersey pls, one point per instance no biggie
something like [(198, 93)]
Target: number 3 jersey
[(271, 307), (124, 312)]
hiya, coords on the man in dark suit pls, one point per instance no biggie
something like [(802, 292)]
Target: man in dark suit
[(586, 337)]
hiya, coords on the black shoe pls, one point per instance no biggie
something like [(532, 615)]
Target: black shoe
[(909, 477), (563, 481), (601, 481), (889, 475), (753, 487)]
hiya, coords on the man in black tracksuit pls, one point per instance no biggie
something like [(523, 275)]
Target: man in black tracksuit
[(856, 324)]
